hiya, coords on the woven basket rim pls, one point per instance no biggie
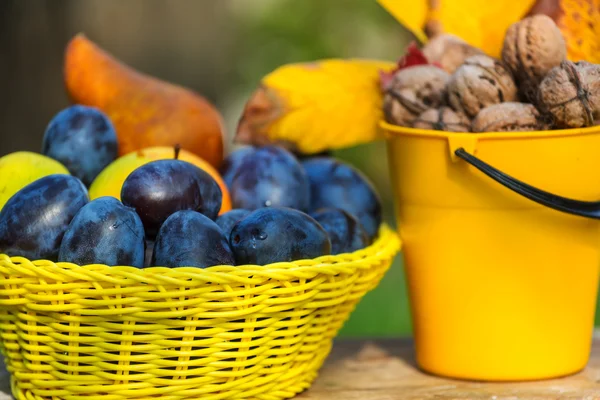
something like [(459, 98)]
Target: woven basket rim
[(387, 244)]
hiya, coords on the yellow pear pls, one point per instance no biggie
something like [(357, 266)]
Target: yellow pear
[(110, 180), (19, 169)]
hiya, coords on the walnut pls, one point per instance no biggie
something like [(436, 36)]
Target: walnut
[(506, 117), (570, 94), (442, 119), (449, 51), (480, 82), (532, 47), (412, 91)]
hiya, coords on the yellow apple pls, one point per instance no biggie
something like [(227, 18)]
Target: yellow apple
[(19, 169), (110, 180)]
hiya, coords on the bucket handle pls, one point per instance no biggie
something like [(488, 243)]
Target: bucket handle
[(589, 209)]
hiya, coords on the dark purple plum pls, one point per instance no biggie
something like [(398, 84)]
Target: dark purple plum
[(149, 252), (227, 220), (232, 162), (83, 139), (160, 188), (345, 231), (35, 219), (190, 239), (334, 184), (275, 234), (104, 231), (270, 177)]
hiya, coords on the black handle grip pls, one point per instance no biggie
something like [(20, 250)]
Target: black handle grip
[(588, 209)]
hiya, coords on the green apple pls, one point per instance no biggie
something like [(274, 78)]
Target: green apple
[(19, 169)]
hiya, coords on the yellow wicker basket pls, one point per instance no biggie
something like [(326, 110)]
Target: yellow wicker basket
[(251, 332)]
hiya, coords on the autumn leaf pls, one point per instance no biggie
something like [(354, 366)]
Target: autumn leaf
[(480, 23), (579, 22)]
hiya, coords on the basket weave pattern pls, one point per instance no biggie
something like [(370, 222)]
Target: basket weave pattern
[(250, 332)]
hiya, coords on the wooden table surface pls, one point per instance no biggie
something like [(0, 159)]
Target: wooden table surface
[(385, 370)]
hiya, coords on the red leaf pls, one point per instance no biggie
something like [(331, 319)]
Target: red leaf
[(414, 56)]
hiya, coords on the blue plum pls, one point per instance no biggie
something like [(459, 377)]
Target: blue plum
[(227, 220), (104, 231), (232, 162), (346, 233), (190, 239), (334, 184), (270, 177), (277, 234), (160, 188), (83, 139), (35, 219)]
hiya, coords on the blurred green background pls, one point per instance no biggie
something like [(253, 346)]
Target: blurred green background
[(221, 49)]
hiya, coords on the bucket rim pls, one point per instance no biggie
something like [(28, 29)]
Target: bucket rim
[(396, 130)]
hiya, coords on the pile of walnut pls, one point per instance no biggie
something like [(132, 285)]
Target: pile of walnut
[(534, 87)]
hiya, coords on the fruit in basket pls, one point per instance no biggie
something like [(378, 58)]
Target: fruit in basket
[(110, 181), (570, 94), (334, 184), (276, 234), (412, 91), (145, 111), (227, 221), (82, 139), (449, 51), (315, 106), (21, 168), (34, 220), (104, 231), (190, 239), (442, 119), (345, 231), (232, 162), (270, 176), (480, 82), (532, 47), (160, 188), (507, 117)]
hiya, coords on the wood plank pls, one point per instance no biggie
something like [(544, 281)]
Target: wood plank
[(385, 370)]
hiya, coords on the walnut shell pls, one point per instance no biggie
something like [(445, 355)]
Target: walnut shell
[(449, 51), (480, 82), (507, 117), (412, 91), (570, 94), (532, 47), (442, 119)]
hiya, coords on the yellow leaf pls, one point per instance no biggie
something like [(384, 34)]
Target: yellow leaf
[(316, 106), (481, 23), (412, 15)]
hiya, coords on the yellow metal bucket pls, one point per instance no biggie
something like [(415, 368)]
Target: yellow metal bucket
[(501, 287)]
